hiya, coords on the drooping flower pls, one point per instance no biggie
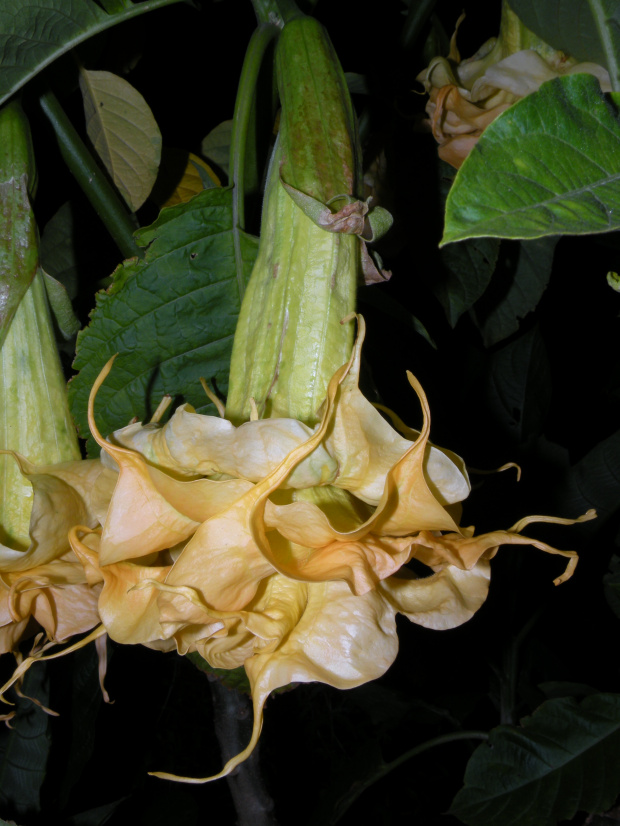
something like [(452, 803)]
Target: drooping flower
[(283, 548), (465, 96), (44, 486), (45, 581)]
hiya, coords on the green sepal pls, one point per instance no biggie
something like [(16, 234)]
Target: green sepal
[(231, 678)]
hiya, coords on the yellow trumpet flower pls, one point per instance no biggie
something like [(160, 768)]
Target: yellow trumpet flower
[(291, 560)]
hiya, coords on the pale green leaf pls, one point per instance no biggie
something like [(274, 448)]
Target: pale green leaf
[(549, 165), (171, 315), (123, 131), (61, 307), (216, 146), (563, 759), (33, 33)]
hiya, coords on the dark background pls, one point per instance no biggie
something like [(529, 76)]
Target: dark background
[(318, 742)]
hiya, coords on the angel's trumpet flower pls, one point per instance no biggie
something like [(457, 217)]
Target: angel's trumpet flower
[(465, 96), (44, 485)]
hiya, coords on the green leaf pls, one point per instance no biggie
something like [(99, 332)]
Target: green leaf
[(58, 248), (584, 29), (549, 165), (24, 748), (563, 759), (594, 482), (515, 292), (469, 266), (216, 146), (33, 33), (519, 386), (61, 307), (124, 133), (113, 6), (171, 315)]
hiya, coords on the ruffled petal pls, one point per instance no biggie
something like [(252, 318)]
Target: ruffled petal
[(63, 494), (444, 600)]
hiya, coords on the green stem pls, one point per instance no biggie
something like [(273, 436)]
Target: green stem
[(288, 10), (266, 11), (91, 179), (604, 15), (386, 768), (510, 673), (430, 744), (259, 43), (419, 13)]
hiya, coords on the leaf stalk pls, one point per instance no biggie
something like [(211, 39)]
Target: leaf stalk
[(91, 179)]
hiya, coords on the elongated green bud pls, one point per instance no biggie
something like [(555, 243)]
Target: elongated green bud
[(290, 339), (34, 416), (18, 248), (318, 130)]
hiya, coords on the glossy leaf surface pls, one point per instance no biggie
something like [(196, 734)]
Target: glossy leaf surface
[(550, 165)]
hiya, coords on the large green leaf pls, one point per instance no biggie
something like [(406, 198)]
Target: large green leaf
[(563, 759), (123, 131), (469, 267), (588, 30), (594, 482), (171, 315), (519, 386), (33, 33), (516, 288), (549, 165)]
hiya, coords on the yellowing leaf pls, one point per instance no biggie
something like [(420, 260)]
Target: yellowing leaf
[(182, 175), (124, 133)]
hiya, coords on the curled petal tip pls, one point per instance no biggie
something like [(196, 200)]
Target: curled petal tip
[(570, 569)]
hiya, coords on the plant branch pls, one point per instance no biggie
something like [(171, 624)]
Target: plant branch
[(419, 13), (386, 768), (233, 727), (259, 43), (98, 190), (605, 16)]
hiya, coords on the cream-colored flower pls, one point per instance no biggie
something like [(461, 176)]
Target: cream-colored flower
[(465, 96), (290, 560), (45, 582)]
